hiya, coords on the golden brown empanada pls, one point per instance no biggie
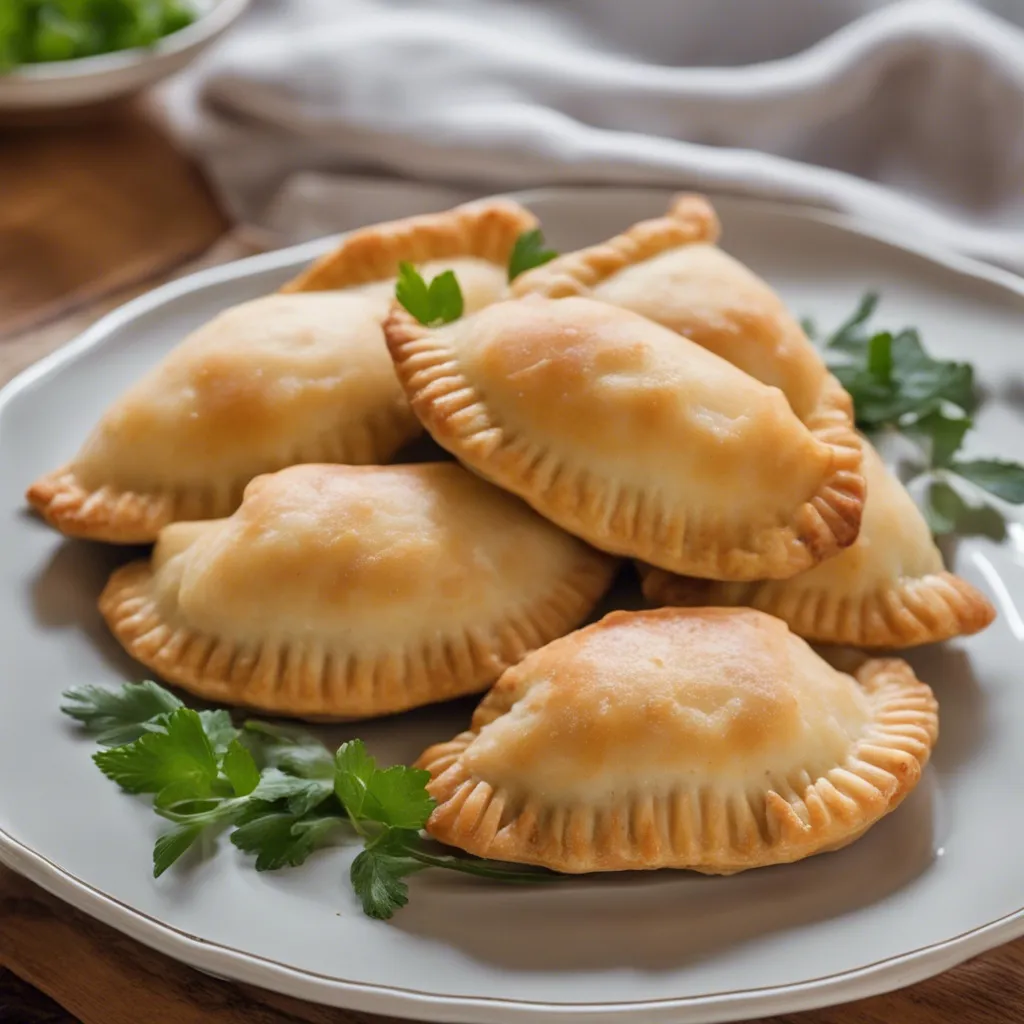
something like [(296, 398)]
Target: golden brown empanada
[(670, 270), (637, 440), (288, 378), (710, 739), (346, 592), (889, 589)]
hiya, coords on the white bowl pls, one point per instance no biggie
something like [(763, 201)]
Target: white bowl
[(86, 80)]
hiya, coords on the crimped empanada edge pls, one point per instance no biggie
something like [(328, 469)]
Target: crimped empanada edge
[(137, 517), (103, 514), (690, 219), (278, 675), (914, 611), (698, 829), (629, 523), (486, 228)]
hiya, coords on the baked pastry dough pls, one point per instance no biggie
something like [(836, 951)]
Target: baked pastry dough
[(633, 438), (346, 592), (889, 589), (288, 378), (710, 739), (670, 270)]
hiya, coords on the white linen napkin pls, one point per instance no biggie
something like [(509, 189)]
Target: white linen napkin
[(908, 113)]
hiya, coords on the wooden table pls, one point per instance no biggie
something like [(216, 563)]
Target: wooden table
[(89, 216)]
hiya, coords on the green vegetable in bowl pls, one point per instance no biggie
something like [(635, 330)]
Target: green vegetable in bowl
[(37, 31)]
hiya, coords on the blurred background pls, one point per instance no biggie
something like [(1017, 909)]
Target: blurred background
[(266, 121)]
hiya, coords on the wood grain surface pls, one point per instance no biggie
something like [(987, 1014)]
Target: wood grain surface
[(91, 206), (132, 210)]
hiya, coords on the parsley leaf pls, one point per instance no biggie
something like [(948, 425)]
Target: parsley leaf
[(118, 716), (172, 845), (848, 333), (896, 385), (529, 252), (283, 839), (279, 790), (378, 874), (880, 358), (395, 796), (438, 303), (291, 750), (240, 769), (182, 758), (301, 794), (1003, 479), (940, 434), (219, 729), (944, 508)]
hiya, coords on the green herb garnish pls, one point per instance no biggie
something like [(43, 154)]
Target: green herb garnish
[(897, 386), (280, 792), (438, 303), (529, 252), (34, 31)]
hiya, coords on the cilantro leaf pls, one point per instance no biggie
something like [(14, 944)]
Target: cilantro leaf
[(170, 846), (302, 795), (940, 434), (118, 716), (240, 769), (529, 252), (396, 796), (1003, 479), (438, 303), (181, 757), (378, 874), (282, 839)]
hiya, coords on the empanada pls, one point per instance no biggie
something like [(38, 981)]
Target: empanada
[(670, 270), (346, 592), (633, 438), (889, 589), (710, 739), (284, 379)]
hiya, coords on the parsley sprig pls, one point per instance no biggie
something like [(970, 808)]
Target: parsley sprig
[(897, 386), (434, 304), (529, 251), (280, 792)]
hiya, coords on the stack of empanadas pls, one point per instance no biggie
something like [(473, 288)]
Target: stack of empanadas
[(648, 397)]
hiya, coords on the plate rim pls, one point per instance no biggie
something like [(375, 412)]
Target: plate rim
[(238, 965)]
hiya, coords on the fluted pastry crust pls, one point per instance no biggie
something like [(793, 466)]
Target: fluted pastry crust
[(633, 438), (348, 592), (301, 376), (709, 739), (889, 589)]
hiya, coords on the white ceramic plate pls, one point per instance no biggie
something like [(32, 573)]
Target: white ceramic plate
[(937, 882), (75, 83)]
